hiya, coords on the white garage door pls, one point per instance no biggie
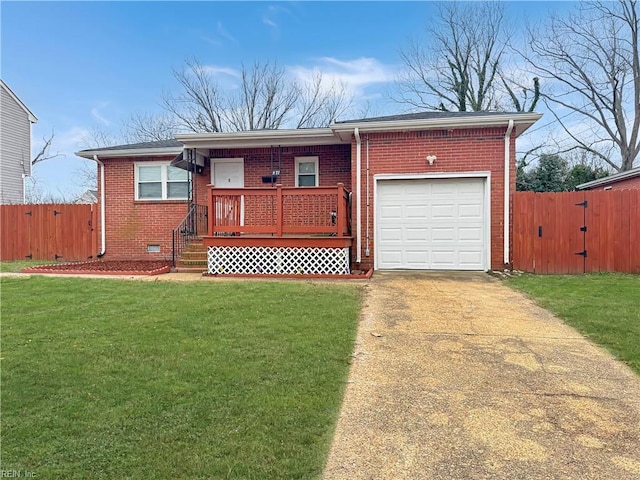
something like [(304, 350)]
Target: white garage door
[(431, 224)]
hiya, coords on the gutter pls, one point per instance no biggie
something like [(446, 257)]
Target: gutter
[(103, 232), (356, 133), (507, 148), (523, 120)]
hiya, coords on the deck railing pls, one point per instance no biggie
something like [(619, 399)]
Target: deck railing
[(279, 211)]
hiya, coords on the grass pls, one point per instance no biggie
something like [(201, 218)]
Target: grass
[(116, 379), (17, 265), (604, 307)]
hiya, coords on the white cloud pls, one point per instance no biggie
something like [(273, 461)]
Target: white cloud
[(216, 71), (95, 113), (356, 74), (211, 41), (271, 15), (224, 33)]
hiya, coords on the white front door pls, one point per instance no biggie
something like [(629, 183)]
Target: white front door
[(227, 172)]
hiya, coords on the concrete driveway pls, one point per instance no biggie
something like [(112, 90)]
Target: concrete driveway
[(456, 376)]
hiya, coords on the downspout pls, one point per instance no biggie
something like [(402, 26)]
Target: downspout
[(103, 234), (356, 133), (507, 180), (367, 250)]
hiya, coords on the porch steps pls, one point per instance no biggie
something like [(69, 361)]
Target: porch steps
[(193, 259)]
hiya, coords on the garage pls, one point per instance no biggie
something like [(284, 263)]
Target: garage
[(432, 223)]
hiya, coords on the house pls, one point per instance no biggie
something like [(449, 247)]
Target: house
[(426, 191), (618, 181), (15, 145), (89, 196)]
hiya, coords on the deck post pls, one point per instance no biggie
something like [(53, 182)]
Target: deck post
[(211, 211), (340, 211), (279, 210)]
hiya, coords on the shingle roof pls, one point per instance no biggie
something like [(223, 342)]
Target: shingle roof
[(135, 146), (425, 116), (634, 172)]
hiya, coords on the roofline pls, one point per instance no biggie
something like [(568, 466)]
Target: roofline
[(261, 138), (32, 117), (519, 119), (333, 135), (634, 172), (130, 152)]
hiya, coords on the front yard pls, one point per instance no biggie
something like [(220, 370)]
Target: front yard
[(604, 307), (122, 379)]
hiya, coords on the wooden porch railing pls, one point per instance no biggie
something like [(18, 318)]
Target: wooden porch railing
[(279, 211)]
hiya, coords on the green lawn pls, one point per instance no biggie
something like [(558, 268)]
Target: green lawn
[(604, 307), (17, 265), (119, 379)]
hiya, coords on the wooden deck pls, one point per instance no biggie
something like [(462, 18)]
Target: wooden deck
[(279, 216), (275, 241)]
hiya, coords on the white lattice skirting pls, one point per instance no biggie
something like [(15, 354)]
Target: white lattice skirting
[(278, 260)]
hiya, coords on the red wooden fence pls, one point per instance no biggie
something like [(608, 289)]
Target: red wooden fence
[(577, 232), (64, 232)]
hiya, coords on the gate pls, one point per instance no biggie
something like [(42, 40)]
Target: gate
[(64, 232), (577, 232)]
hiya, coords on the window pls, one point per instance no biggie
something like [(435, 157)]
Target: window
[(307, 172), (161, 181)]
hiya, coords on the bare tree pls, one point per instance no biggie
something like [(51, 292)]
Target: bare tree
[(45, 151), (266, 98), (320, 104), (458, 68), (198, 107), (591, 63), (142, 127), (35, 193)]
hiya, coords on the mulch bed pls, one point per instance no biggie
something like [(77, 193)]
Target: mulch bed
[(107, 267)]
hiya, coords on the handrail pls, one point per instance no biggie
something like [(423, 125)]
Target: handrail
[(193, 224)]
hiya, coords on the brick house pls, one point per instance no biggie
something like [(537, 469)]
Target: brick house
[(415, 191), (618, 181)]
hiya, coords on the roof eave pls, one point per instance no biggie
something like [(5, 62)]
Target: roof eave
[(131, 152), (524, 120), (260, 138), (32, 117), (610, 179)]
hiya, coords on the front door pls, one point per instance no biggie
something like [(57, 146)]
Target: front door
[(228, 173)]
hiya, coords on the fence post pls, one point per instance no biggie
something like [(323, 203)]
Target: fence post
[(279, 219), (341, 211), (211, 212)]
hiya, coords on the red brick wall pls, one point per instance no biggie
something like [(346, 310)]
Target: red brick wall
[(132, 225), (334, 162), (468, 150)]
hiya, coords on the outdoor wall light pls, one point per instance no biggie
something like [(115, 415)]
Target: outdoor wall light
[(431, 159)]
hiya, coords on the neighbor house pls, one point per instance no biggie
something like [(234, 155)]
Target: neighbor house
[(15, 145), (421, 191), (618, 181)]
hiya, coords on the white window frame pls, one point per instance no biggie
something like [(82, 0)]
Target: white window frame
[(314, 159), (163, 180)]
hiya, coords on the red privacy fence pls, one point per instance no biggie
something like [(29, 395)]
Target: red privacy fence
[(577, 232), (63, 232)]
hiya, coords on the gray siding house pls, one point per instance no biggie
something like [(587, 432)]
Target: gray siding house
[(15, 145)]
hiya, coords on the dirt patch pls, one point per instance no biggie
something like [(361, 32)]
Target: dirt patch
[(107, 267)]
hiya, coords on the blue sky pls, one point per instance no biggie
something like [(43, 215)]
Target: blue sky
[(85, 65)]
